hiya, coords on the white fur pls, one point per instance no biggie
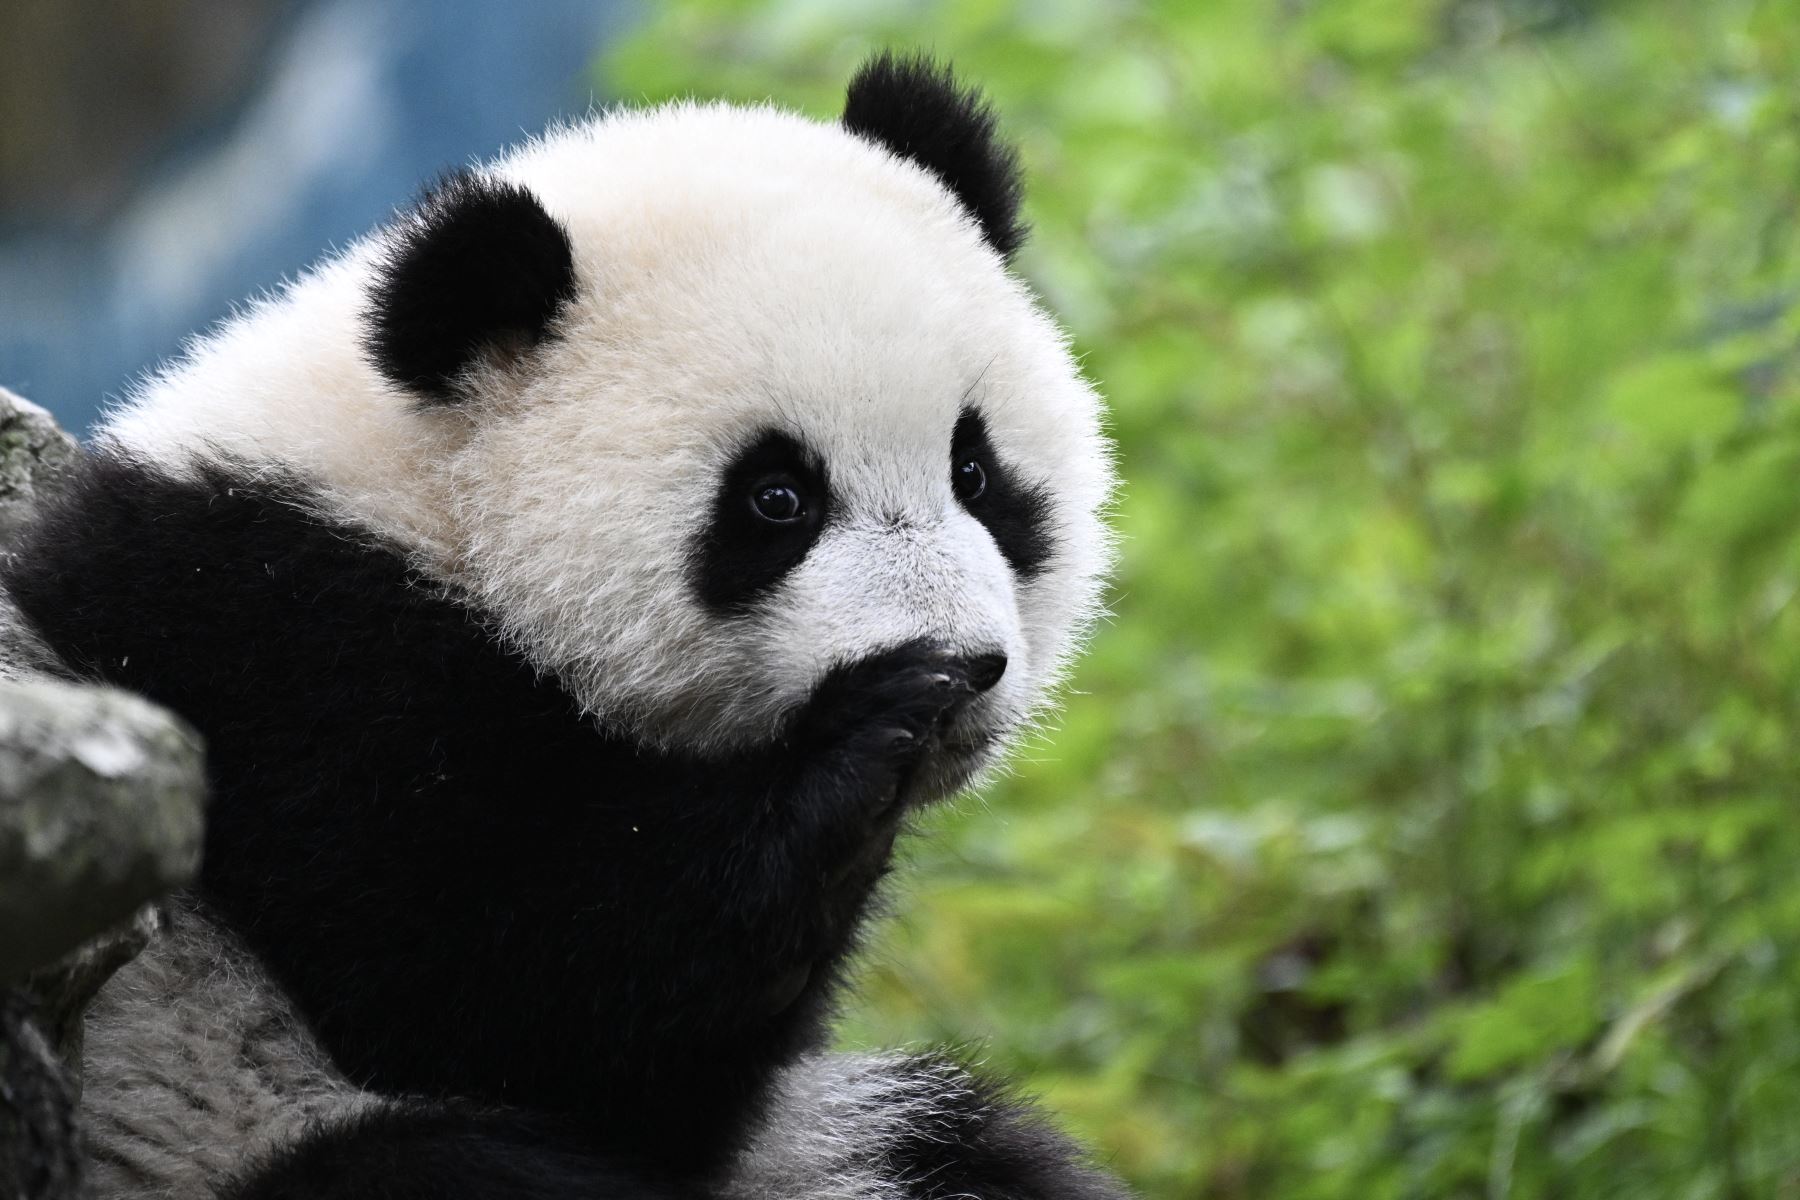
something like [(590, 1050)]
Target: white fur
[(737, 268), (834, 1121), (193, 1063)]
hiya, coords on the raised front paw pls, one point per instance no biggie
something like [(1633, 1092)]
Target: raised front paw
[(845, 767), (871, 722)]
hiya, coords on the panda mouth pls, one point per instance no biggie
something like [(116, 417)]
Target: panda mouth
[(969, 738), (968, 747), (952, 762)]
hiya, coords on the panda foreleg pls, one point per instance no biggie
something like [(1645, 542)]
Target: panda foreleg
[(908, 1127), (418, 1152), (854, 749), (772, 890)]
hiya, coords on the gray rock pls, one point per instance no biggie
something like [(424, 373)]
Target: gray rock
[(100, 811), (36, 461), (62, 991), (36, 457)]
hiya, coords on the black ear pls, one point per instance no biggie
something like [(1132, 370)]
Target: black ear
[(478, 265), (913, 106)]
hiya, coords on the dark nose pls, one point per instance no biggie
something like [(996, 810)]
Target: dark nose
[(984, 670)]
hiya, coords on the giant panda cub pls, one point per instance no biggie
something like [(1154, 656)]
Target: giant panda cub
[(578, 583)]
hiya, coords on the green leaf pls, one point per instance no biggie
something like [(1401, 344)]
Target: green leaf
[(1672, 400), (1533, 1017)]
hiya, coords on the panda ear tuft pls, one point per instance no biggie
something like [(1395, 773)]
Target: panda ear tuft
[(914, 107), (478, 266)]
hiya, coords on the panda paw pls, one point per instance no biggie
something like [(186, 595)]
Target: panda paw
[(874, 720), (858, 746), (846, 769)]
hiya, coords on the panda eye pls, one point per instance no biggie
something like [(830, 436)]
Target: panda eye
[(969, 479), (778, 501)]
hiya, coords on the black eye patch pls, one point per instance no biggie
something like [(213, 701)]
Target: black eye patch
[(772, 501), (1016, 513)]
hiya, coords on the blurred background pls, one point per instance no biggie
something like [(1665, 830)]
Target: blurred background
[(1425, 822)]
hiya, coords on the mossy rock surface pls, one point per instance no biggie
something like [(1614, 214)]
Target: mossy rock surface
[(36, 457), (100, 813)]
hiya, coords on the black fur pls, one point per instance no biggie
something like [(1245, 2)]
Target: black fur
[(479, 266), (982, 1142), (1017, 513), (420, 1152), (467, 889), (915, 108), (739, 556)]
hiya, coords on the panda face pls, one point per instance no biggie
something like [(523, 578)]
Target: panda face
[(795, 416), (696, 404)]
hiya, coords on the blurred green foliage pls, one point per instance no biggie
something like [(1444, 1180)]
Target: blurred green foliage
[(1424, 823)]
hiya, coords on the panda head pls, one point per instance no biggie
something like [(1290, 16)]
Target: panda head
[(701, 402)]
